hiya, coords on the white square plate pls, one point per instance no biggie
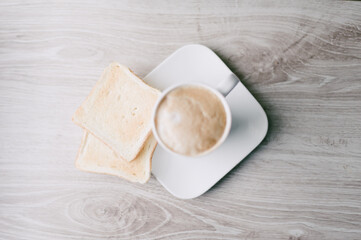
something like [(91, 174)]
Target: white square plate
[(187, 177)]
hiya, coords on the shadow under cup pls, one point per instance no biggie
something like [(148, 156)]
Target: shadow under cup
[(212, 92)]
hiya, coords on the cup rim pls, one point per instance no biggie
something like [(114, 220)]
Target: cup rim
[(220, 97)]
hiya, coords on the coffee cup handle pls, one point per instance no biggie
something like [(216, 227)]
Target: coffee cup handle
[(226, 86)]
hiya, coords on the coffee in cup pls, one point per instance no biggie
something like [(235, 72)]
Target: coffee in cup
[(191, 119)]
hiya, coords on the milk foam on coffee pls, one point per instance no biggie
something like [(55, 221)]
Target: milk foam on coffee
[(190, 120)]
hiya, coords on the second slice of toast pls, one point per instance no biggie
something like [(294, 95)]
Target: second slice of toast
[(95, 156)]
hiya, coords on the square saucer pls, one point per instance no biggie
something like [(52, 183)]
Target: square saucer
[(188, 177)]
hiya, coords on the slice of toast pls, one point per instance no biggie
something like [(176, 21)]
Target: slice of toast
[(118, 111), (95, 156)]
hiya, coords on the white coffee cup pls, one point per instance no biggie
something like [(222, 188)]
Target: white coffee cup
[(221, 91)]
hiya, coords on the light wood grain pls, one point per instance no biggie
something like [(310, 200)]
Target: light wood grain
[(301, 60)]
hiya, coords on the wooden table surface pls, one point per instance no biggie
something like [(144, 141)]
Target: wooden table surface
[(301, 60)]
